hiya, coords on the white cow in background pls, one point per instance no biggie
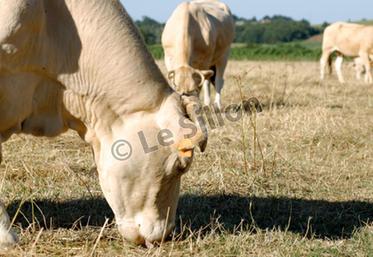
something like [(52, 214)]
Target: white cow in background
[(347, 39), (81, 65), (196, 41)]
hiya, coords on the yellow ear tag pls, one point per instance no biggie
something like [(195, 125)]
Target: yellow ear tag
[(186, 148)]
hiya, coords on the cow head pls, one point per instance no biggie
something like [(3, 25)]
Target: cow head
[(140, 164), (187, 80)]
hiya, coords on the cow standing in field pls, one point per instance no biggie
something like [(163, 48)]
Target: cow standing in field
[(347, 40), (196, 42), (81, 65)]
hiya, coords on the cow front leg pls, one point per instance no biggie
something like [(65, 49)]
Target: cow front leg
[(365, 60), (206, 93), (219, 84), (7, 238), (368, 77), (219, 79), (359, 72), (368, 71)]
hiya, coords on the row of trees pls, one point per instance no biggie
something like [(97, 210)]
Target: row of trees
[(151, 30), (275, 29)]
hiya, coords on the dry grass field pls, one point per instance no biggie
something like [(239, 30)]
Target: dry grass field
[(294, 180)]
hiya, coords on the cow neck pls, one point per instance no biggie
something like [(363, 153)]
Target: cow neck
[(116, 72), (184, 38)]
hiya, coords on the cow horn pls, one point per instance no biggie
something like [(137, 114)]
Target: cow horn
[(193, 109)]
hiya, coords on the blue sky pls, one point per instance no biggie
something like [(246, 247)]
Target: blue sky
[(316, 11)]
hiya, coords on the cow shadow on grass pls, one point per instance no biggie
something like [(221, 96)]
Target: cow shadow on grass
[(322, 219)]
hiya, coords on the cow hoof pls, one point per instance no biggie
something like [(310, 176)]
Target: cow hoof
[(8, 239)]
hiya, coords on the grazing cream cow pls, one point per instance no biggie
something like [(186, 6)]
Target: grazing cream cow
[(196, 41), (347, 40), (81, 65), (359, 67)]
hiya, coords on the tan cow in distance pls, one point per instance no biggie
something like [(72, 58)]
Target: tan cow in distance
[(82, 65), (196, 41), (347, 39)]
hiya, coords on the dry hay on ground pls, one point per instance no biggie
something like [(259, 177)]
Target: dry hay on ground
[(295, 180)]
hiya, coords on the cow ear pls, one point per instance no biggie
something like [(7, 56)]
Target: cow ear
[(198, 79), (207, 74), (171, 75)]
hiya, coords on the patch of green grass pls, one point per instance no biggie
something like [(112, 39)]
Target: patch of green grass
[(314, 45), (288, 51), (293, 51)]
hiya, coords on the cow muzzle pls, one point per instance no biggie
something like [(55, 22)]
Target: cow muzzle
[(145, 233)]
